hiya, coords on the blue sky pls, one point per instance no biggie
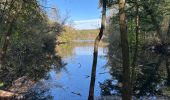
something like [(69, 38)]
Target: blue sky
[(84, 13)]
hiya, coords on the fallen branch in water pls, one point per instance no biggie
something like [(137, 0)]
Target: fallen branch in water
[(87, 76), (79, 65), (103, 73), (76, 93)]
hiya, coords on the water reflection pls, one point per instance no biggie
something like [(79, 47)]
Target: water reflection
[(68, 78), (83, 47), (151, 79), (72, 82)]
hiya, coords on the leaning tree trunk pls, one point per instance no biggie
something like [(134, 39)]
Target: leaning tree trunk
[(95, 54), (126, 89)]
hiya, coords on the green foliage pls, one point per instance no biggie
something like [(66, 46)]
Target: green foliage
[(31, 49), (67, 49), (150, 67), (70, 34), (87, 34), (67, 35), (1, 84)]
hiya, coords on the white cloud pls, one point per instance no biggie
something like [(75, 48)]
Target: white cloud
[(87, 24)]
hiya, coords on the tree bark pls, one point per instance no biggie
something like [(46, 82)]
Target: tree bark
[(6, 42), (5, 45), (95, 54), (168, 33), (168, 70), (126, 89), (136, 44)]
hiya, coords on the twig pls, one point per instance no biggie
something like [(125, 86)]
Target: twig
[(76, 93)]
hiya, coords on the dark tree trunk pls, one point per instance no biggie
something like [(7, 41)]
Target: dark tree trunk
[(168, 71), (95, 54), (168, 33), (126, 89), (136, 44), (5, 45)]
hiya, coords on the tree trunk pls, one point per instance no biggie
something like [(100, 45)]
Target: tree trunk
[(5, 45), (95, 54), (136, 44), (168, 33), (126, 89), (168, 70)]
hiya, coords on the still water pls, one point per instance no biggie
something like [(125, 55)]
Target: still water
[(72, 82)]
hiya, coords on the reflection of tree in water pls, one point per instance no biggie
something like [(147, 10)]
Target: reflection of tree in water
[(152, 75), (39, 94), (66, 50), (41, 90)]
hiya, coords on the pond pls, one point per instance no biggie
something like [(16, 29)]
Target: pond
[(72, 82), (67, 75)]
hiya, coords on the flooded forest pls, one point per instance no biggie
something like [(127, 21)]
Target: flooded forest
[(45, 56)]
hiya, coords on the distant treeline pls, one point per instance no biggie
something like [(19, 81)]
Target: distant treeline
[(69, 34)]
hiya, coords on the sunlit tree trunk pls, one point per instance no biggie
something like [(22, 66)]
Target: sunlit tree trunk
[(95, 54), (136, 44), (126, 89)]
